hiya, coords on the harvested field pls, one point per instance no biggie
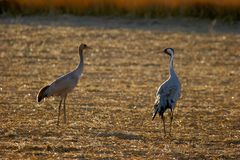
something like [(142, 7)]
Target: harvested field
[(109, 113)]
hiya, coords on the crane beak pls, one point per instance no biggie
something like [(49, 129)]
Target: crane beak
[(88, 47)]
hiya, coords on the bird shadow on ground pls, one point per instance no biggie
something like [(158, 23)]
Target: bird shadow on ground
[(121, 135)]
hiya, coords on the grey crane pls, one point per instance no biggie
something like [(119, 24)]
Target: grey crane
[(64, 84), (168, 93)]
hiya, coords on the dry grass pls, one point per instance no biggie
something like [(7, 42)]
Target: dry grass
[(109, 113)]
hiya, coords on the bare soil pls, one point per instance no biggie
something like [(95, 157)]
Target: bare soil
[(109, 113)]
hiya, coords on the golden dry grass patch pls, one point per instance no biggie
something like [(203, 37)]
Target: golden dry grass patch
[(109, 113)]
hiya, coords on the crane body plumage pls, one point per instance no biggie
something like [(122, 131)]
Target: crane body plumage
[(64, 84), (168, 93)]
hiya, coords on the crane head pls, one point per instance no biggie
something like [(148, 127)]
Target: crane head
[(83, 46), (169, 51)]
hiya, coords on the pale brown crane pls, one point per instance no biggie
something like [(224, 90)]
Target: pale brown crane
[(64, 84)]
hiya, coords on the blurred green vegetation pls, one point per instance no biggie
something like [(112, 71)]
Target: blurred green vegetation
[(227, 10)]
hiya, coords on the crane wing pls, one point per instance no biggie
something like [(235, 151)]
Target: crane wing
[(63, 85), (169, 92), (173, 92), (166, 97)]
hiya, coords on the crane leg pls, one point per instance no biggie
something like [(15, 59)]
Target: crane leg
[(171, 119), (163, 120), (64, 108), (59, 109)]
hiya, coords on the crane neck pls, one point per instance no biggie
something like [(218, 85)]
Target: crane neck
[(171, 69), (81, 63)]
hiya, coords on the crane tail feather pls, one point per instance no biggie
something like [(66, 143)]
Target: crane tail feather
[(156, 107), (42, 93), (154, 115), (155, 112)]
